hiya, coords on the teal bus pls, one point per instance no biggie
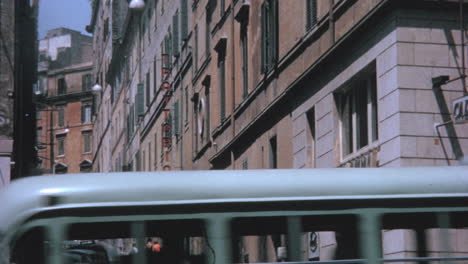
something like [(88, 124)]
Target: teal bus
[(307, 216)]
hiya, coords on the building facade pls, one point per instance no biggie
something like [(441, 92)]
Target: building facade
[(18, 20), (64, 102), (236, 84)]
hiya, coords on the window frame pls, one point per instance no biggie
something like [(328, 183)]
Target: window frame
[(359, 125)]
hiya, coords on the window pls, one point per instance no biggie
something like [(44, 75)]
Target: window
[(148, 90), (311, 14), (175, 34), (61, 86), (176, 119), (222, 7), (150, 161), (138, 161), (269, 34), (61, 145), (295, 238), (245, 164), (222, 85), (155, 76), (86, 114), (156, 151), (186, 97), (29, 248), (195, 50), (106, 29), (427, 234), (183, 19), (140, 99), (358, 110), (310, 115), (207, 29), (61, 116), (273, 153), (245, 55), (38, 113), (87, 142), (86, 82), (180, 241), (38, 135)]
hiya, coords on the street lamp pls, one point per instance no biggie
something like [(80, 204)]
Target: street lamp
[(137, 5)]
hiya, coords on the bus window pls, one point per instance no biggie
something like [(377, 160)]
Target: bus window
[(425, 235), (29, 248), (317, 238), (259, 239), (330, 237), (160, 242)]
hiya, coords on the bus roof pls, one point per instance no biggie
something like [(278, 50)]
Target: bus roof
[(25, 197)]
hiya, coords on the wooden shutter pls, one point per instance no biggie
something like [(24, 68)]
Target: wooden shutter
[(140, 100)]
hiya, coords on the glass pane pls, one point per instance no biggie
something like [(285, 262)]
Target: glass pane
[(172, 241), (425, 235), (330, 237), (317, 238), (29, 248)]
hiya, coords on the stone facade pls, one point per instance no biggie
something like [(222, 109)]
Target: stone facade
[(65, 102), (279, 84)]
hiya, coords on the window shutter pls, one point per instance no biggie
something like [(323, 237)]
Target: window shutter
[(184, 19), (273, 40), (148, 91), (140, 99), (82, 113), (175, 34), (311, 13), (83, 83), (176, 118), (264, 37)]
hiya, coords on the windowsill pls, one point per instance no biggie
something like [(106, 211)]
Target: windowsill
[(61, 156)]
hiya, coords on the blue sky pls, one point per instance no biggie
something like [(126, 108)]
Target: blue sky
[(74, 14)]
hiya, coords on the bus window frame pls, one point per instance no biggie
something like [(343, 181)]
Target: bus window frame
[(373, 222)]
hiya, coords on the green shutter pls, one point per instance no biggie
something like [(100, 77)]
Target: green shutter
[(175, 34), (184, 19), (140, 99)]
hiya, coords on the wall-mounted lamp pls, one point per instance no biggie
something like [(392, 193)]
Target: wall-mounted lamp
[(96, 88), (137, 5)]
